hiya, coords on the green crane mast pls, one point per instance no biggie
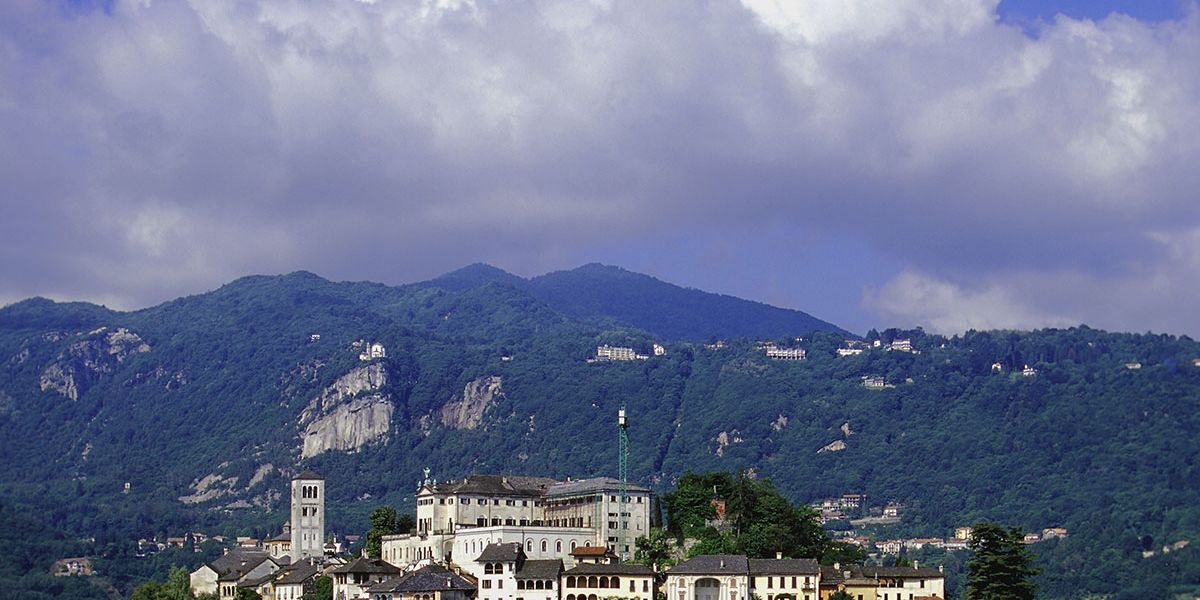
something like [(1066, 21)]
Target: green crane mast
[(623, 475)]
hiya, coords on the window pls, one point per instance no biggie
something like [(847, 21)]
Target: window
[(770, 582), (510, 502), (495, 502), (558, 546), (645, 585), (793, 581), (466, 500), (543, 545), (500, 584), (524, 503), (487, 583), (529, 545)]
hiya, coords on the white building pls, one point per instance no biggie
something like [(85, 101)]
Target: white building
[(778, 353), (849, 351), (308, 516), (373, 350), (456, 520), (902, 345), (734, 577), (606, 352), (1029, 371)]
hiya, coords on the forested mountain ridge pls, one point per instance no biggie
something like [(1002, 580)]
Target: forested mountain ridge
[(596, 291), (204, 405)]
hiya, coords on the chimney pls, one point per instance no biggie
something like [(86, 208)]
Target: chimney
[(778, 556), (722, 563), (837, 566), (916, 565)]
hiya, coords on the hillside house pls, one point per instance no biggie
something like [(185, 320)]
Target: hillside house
[(963, 533), (901, 345), (889, 546), (68, 567), (852, 500), (892, 510), (590, 581), (1029, 371), (372, 351), (607, 353), (350, 581), (1050, 533), (883, 583), (874, 382), (660, 350), (776, 353), (997, 367), (1133, 366), (431, 582), (849, 351)]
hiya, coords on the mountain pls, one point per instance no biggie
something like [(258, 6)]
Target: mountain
[(206, 405), (671, 312)]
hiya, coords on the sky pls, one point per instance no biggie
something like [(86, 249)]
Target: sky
[(950, 164)]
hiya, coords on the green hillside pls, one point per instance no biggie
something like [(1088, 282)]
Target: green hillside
[(220, 385)]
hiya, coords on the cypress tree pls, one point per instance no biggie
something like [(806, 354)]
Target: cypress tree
[(1000, 567)]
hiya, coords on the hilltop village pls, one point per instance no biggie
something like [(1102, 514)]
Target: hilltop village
[(507, 537)]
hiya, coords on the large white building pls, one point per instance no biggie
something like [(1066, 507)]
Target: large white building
[(308, 516), (457, 520)]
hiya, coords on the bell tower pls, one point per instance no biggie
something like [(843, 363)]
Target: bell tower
[(308, 516)]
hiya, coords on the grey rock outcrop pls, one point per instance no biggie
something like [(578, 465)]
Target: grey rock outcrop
[(97, 353), (466, 412), (352, 412)]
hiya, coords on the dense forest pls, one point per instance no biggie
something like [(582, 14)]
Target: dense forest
[(215, 388)]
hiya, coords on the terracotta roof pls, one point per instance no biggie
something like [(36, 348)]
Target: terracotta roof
[(712, 564), (591, 551)]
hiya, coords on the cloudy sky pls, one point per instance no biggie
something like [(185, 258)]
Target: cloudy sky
[(947, 163)]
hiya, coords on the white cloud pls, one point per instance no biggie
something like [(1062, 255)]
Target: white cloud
[(276, 131)]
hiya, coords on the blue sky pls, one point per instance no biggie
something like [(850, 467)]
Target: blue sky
[(1152, 10), (951, 164)]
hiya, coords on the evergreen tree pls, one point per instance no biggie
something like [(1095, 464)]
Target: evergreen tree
[(383, 522), (1000, 567)]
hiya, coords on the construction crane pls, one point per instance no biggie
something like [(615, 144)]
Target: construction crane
[(623, 475)]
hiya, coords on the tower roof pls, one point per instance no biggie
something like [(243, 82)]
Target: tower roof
[(308, 474)]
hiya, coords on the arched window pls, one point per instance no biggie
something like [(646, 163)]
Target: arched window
[(558, 546), (572, 545), (543, 545), (529, 545), (592, 581), (615, 582), (571, 581)]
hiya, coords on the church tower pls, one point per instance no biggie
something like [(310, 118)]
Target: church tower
[(308, 516)]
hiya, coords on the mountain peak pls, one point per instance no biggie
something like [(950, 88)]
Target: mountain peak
[(473, 275)]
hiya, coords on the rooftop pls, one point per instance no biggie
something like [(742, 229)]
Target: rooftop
[(711, 564), (540, 569), (369, 565), (308, 474), (784, 566), (610, 569), (507, 552), (592, 485)]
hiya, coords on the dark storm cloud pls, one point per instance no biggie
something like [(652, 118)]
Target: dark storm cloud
[(161, 148)]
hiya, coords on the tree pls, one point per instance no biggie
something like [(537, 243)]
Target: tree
[(841, 595), (322, 589), (654, 550), (178, 586), (1000, 567), (247, 594), (383, 522)]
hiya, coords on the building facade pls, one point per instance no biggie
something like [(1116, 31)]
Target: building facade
[(308, 516)]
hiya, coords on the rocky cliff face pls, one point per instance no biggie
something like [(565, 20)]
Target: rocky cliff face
[(466, 412), (349, 414), (95, 354)]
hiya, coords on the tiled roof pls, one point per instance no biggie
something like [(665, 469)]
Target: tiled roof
[(308, 474), (369, 565), (298, 574), (540, 569), (848, 572), (784, 566), (496, 485), (426, 579), (595, 484), (237, 562), (712, 564), (507, 552), (612, 569), (591, 551)]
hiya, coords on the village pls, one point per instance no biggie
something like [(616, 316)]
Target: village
[(507, 537)]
